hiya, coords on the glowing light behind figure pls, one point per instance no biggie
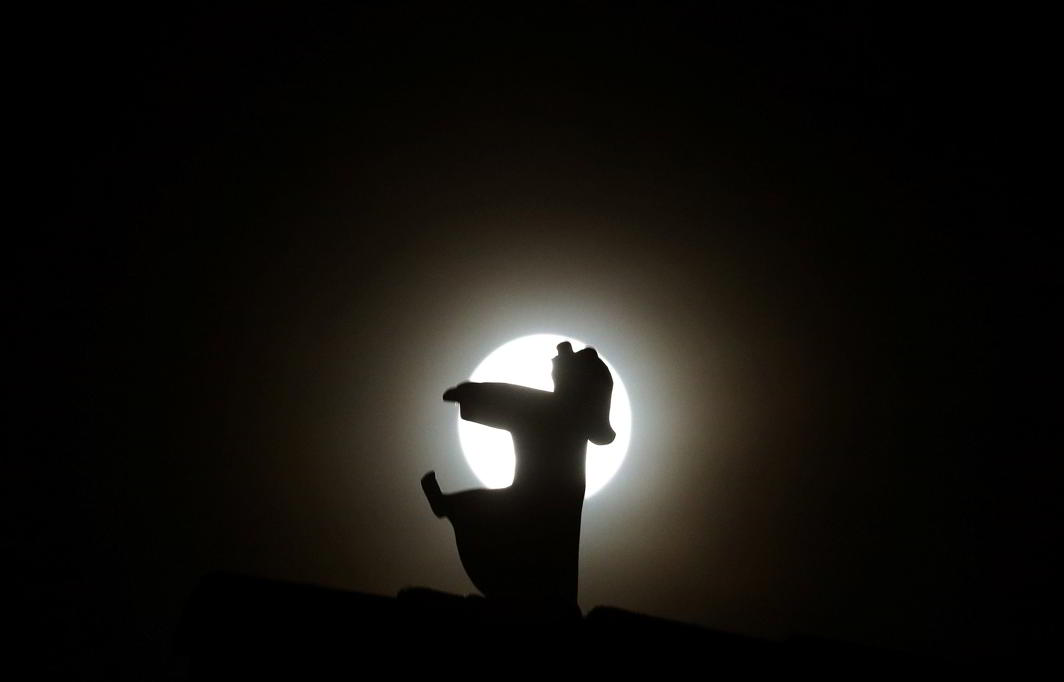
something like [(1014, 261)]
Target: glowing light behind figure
[(526, 361)]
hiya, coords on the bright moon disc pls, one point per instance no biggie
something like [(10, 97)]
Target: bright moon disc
[(527, 362)]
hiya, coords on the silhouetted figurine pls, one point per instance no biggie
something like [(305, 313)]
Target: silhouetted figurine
[(520, 545)]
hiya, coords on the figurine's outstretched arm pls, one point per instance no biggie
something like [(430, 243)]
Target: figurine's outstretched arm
[(494, 404)]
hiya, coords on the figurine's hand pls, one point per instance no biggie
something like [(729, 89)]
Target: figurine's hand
[(453, 395)]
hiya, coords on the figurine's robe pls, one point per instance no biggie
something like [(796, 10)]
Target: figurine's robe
[(522, 543)]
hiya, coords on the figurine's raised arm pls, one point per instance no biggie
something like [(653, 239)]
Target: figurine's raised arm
[(493, 404)]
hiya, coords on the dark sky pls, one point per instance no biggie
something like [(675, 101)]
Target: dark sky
[(265, 243)]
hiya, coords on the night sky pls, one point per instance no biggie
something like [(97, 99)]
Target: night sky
[(264, 243)]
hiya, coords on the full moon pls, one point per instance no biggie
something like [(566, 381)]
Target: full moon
[(526, 361)]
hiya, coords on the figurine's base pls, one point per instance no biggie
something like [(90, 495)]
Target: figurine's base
[(236, 626)]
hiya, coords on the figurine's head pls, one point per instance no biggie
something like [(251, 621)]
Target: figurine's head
[(584, 381)]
